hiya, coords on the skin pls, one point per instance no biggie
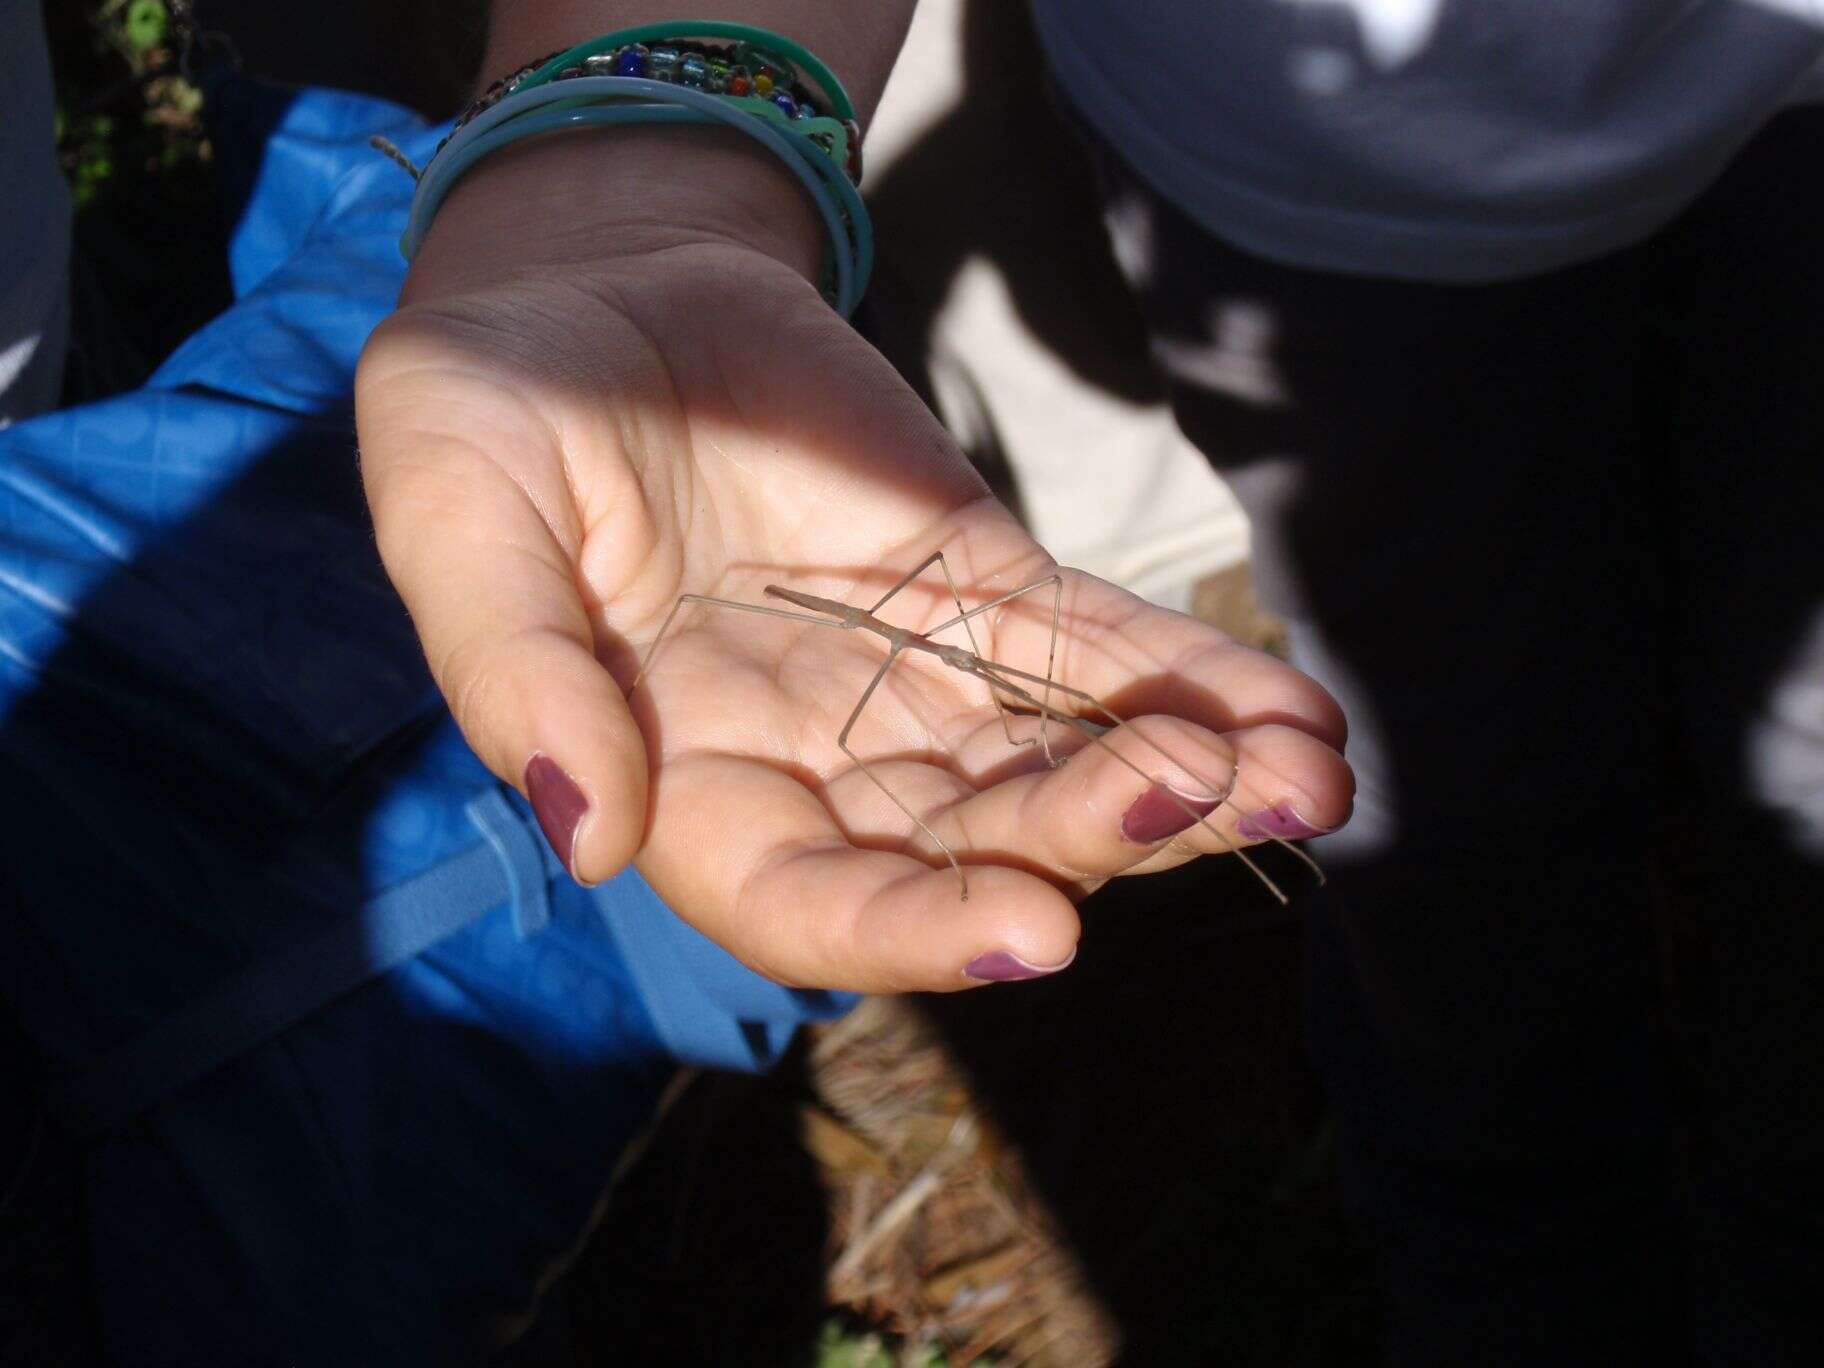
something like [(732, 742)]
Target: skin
[(609, 382)]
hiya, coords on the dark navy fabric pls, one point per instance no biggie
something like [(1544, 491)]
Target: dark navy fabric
[(1553, 545), (351, 1056)]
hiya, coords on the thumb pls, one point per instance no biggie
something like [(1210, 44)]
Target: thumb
[(493, 595)]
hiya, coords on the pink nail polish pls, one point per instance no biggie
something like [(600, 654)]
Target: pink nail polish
[(1002, 966), (1159, 812), (1282, 821), (559, 804)]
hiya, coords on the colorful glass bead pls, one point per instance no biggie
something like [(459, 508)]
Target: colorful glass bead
[(763, 83), (759, 59), (630, 61), (719, 73), (693, 71), (785, 102), (739, 82), (602, 64), (662, 64), (853, 129)]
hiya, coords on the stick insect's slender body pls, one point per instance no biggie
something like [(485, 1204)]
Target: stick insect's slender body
[(1000, 679)]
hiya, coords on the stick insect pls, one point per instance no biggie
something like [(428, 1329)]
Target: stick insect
[(1005, 684)]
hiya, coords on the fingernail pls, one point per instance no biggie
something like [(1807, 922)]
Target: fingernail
[(1281, 820), (1162, 812), (1003, 966), (560, 806)]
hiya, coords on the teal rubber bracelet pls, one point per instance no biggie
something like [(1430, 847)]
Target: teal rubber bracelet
[(762, 108), (803, 58), (845, 216)]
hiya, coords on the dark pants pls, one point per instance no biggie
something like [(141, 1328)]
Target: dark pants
[(1557, 545)]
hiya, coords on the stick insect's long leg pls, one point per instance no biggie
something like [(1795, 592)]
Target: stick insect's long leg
[(975, 646), (991, 669), (937, 558), (842, 741), (963, 615), (1051, 658), (908, 577), (684, 599)]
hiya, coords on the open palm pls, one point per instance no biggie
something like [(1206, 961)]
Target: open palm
[(552, 461)]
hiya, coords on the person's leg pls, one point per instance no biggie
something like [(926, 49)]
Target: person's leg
[(1744, 497), (35, 226), (1441, 482), (42, 1315)]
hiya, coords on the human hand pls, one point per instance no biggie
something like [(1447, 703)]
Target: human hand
[(610, 383)]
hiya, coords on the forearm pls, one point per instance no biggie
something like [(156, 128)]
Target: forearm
[(857, 41)]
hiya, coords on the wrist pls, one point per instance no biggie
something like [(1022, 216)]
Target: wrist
[(597, 196)]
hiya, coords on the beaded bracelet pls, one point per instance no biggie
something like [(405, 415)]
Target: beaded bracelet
[(773, 107), (761, 65), (773, 52)]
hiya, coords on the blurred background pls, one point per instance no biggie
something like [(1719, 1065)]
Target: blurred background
[(1126, 1164)]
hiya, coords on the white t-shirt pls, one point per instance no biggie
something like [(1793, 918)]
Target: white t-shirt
[(1432, 139), (34, 221)]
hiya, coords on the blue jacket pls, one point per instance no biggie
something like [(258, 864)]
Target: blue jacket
[(348, 1054)]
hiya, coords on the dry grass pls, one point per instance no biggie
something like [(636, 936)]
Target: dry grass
[(941, 1238)]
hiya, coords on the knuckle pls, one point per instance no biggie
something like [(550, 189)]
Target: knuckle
[(473, 680)]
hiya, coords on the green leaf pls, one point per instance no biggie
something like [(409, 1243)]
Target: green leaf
[(145, 24), (838, 1349)]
